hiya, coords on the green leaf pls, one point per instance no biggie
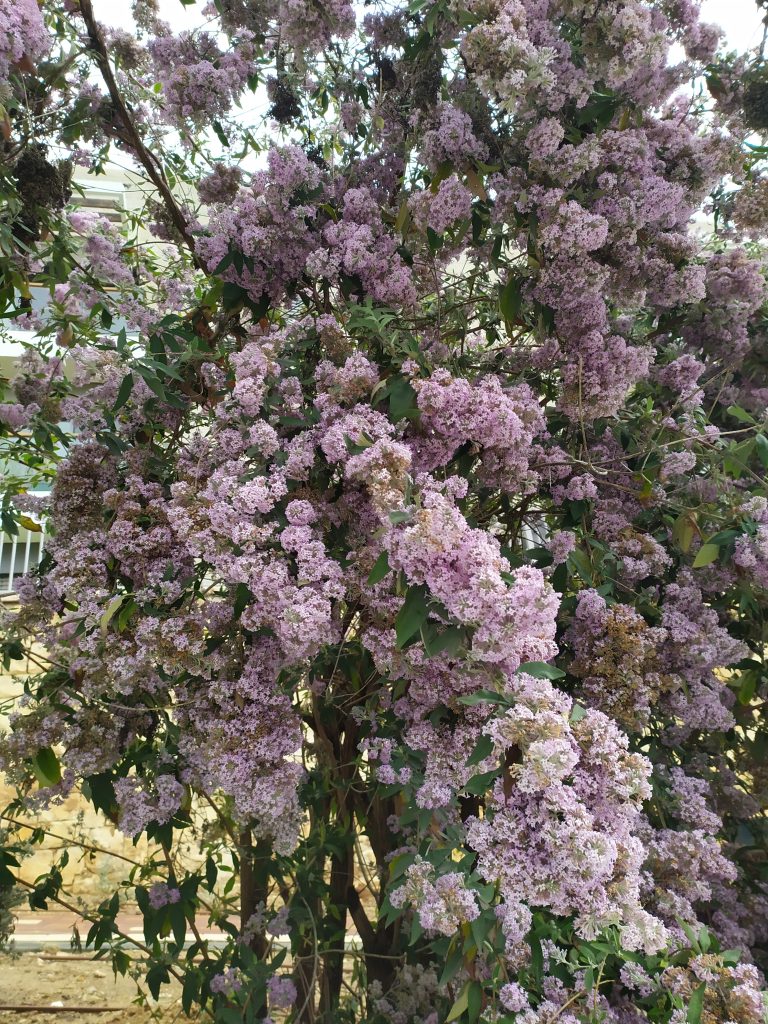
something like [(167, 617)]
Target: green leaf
[(380, 569), (690, 934), (229, 1015), (155, 977), (211, 873), (232, 295), (448, 641), (227, 261), (46, 767), (480, 927), (243, 598), (579, 561), (577, 713), (399, 516), (99, 789), (434, 241), (475, 183), (706, 554), (113, 605), (461, 1004), (541, 670), (696, 1005), (748, 688), (737, 457), (683, 532), (120, 962), (216, 125), (154, 385), (740, 414), (124, 392), (511, 300), (480, 784), (483, 749), (474, 1000), (482, 697), (258, 308), (537, 958), (190, 992), (412, 615), (453, 962), (402, 400), (761, 447), (178, 923), (724, 537)]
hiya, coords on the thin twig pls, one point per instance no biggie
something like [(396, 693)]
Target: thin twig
[(148, 162)]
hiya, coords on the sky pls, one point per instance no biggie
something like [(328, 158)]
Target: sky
[(740, 19)]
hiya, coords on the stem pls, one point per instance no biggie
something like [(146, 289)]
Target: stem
[(253, 888), (71, 841), (148, 162)]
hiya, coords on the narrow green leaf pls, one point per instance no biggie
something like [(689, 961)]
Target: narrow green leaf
[(482, 697), (740, 414), (178, 923), (243, 598), (448, 641), (541, 670), (511, 300), (221, 135), (124, 392), (461, 1004), (412, 615), (154, 385), (474, 1000), (402, 400), (434, 240), (452, 964), (113, 605), (696, 1005), (480, 784), (483, 749), (380, 569), (689, 933), (211, 873)]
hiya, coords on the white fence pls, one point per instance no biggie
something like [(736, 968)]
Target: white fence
[(18, 555)]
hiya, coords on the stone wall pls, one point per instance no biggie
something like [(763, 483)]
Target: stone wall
[(90, 875)]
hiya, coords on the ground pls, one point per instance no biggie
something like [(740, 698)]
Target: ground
[(49, 977)]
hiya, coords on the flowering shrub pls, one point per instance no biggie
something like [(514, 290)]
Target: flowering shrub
[(405, 491)]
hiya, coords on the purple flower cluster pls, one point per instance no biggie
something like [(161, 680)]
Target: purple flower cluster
[(443, 903), (199, 81), (24, 36)]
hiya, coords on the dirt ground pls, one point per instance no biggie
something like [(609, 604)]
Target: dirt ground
[(61, 980)]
